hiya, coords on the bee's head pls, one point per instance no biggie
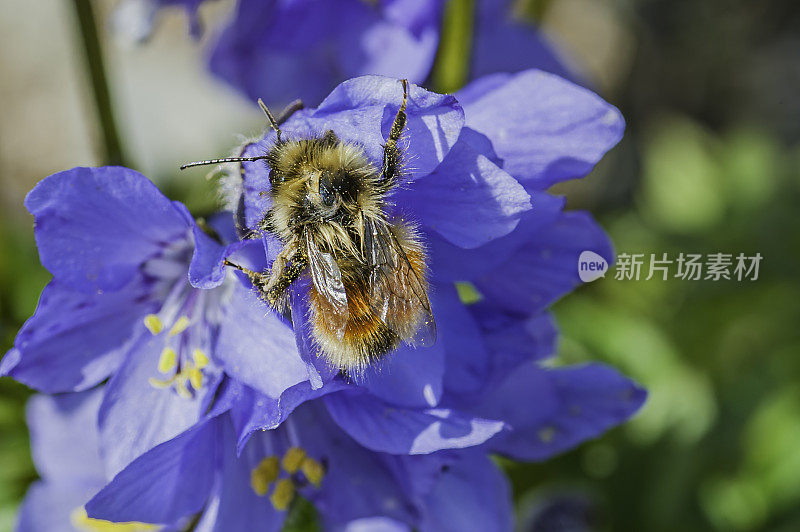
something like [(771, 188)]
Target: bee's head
[(317, 181)]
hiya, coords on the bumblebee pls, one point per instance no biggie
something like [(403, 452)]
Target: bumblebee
[(369, 290)]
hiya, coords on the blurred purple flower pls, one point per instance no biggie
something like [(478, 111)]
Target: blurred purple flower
[(282, 50), (503, 42), (134, 20), (66, 451)]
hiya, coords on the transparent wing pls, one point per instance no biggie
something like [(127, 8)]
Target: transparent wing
[(398, 290), (327, 280)]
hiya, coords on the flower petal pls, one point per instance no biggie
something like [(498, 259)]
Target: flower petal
[(466, 356), (550, 411), (454, 263), (239, 506), (543, 128), (546, 268), (64, 438), (361, 110), (471, 494), (75, 340), (256, 347), (502, 44), (383, 428), (207, 269), (166, 483), (96, 226), (254, 411), (136, 416), (358, 482), (409, 376), (513, 340), (467, 199), (374, 524), (51, 506)]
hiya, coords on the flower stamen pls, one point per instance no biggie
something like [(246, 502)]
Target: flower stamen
[(293, 459), (168, 360), (283, 494), (81, 521), (313, 471), (180, 325), (153, 324), (264, 474)]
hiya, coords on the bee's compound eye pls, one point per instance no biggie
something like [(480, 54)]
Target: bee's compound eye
[(275, 178), (326, 191)]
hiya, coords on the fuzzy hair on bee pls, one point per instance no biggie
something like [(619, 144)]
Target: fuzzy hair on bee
[(369, 289)]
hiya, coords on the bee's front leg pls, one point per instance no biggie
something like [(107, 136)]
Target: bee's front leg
[(272, 285), (276, 289), (390, 173)]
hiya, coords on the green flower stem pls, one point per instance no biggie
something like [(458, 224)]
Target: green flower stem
[(94, 62)]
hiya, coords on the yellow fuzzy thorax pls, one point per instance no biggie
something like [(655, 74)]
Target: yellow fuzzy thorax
[(305, 161)]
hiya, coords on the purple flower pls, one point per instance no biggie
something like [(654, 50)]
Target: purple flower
[(120, 306), (282, 50), (232, 482), (478, 388), (218, 405), (66, 451)]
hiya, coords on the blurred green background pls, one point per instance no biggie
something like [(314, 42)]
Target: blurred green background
[(710, 163)]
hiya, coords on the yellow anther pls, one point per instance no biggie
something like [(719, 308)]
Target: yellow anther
[(81, 521), (259, 482), (168, 360), (265, 473), (179, 326), (269, 466), (313, 470), (200, 358), (153, 323), (158, 383), (195, 378), (292, 459), (180, 387), (283, 494)]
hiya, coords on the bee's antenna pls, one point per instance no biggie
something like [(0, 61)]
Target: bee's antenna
[(272, 121), (225, 160)]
